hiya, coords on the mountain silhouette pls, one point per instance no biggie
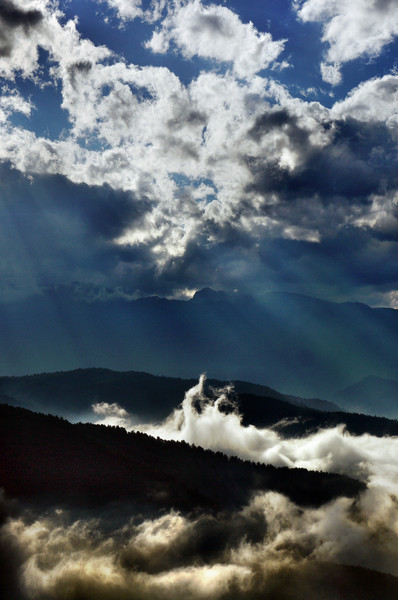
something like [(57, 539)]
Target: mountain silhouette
[(296, 344), (43, 456), (149, 397), (373, 395)]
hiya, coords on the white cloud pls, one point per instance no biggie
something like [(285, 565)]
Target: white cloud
[(149, 128), (175, 556), (351, 29), (364, 457), (375, 100), (12, 101), (126, 9), (140, 129), (215, 32), (112, 415), (331, 73), (381, 215)]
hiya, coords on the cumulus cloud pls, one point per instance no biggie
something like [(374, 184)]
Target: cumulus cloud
[(375, 100), (351, 29), (215, 32), (381, 217), (126, 9), (18, 38), (223, 159)]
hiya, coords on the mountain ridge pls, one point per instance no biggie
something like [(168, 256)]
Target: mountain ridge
[(71, 393), (371, 394), (94, 463), (300, 345)]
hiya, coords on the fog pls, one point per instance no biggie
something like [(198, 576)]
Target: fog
[(270, 549), (201, 420), (233, 555)]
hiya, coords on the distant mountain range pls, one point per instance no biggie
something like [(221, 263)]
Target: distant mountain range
[(150, 398), (71, 394), (300, 345), (371, 395)]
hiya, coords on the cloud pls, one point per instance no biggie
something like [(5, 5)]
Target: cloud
[(268, 548), (217, 161), (205, 422), (128, 10), (372, 101), (112, 415), (351, 29), (19, 31), (53, 231), (13, 16), (331, 73), (381, 217), (215, 32), (262, 550)]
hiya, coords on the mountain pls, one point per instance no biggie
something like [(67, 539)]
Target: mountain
[(70, 394), (293, 421), (151, 398), (299, 345), (373, 395), (94, 512), (45, 456)]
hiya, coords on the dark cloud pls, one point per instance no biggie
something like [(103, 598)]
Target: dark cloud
[(15, 17), (52, 229), (345, 264), (184, 114), (360, 161), (70, 229), (12, 18), (280, 119), (203, 542), (350, 258), (212, 22), (82, 67)]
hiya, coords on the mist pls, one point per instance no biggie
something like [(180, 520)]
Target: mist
[(254, 551), (214, 423), (270, 548)]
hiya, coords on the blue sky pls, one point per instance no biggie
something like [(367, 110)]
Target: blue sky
[(161, 147)]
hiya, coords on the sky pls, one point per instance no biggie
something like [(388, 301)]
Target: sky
[(158, 147)]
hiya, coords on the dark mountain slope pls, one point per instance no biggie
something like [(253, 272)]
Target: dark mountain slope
[(315, 580), (299, 421), (42, 455)]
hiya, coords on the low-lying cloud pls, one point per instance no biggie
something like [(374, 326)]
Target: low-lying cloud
[(210, 423), (271, 548), (255, 551)]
